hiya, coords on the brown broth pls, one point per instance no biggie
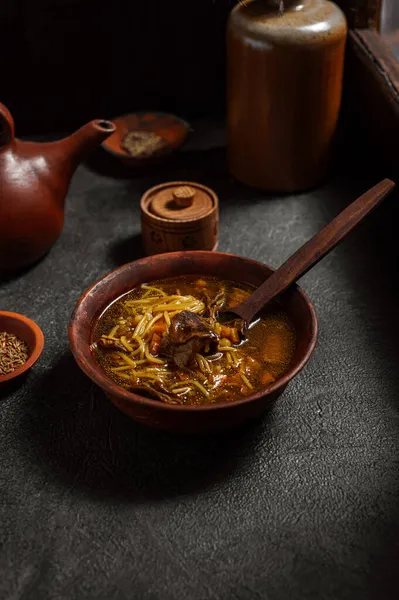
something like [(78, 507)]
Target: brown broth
[(250, 365)]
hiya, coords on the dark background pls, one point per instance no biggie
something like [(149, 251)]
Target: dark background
[(65, 62)]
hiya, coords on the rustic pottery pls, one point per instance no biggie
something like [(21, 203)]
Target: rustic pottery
[(285, 69), (35, 178), (187, 419), (26, 330), (171, 131), (179, 215)]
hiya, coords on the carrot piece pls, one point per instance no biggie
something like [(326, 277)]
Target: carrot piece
[(267, 377), (200, 283), (230, 333), (159, 326), (182, 375), (155, 344), (224, 331), (235, 338)]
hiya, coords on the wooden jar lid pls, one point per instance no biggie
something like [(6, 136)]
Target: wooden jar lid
[(181, 202), (179, 215)]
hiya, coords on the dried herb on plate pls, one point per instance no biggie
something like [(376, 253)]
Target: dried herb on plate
[(13, 353), (143, 144)]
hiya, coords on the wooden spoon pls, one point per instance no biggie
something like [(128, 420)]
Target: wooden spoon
[(308, 255)]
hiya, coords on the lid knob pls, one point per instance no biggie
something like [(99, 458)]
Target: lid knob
[(183, 195)]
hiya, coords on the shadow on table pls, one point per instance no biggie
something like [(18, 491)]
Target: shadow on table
[(8, 388), (369, 259), (7, 276), (104, 163), (383, 575), (179, 166), (369, 256), (126, 250), (85, 443)]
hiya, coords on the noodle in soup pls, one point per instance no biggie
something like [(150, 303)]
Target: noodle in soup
[(163, 340)]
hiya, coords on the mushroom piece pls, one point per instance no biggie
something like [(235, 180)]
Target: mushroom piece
[(153, 391), (188, 335), (109, 344), (213, 304)]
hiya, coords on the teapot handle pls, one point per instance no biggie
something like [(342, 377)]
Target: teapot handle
[(7, 128)]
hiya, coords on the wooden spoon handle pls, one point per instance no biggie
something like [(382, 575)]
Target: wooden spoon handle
[(314, 250)]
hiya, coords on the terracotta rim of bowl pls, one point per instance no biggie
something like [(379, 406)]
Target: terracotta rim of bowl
[(36, 350), (94, 371)]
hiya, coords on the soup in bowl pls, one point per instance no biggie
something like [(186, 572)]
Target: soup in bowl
[(148, 334)]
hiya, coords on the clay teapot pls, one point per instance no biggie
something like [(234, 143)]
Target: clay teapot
[(34, 181)]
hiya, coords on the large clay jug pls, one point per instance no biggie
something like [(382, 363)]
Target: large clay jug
[(285, 68)]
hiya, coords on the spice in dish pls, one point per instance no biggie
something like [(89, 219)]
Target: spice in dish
[(13, 353), (163, 340), (143, 144)]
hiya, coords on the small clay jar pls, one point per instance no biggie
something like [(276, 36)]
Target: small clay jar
[(178, 216), (285, 70)]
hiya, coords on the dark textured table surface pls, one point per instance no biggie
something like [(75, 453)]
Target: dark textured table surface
[(302, 505)]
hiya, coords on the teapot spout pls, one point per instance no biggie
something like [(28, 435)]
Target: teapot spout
[(77, 146), (65, 155)]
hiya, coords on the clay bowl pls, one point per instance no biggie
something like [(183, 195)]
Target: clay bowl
[(29, 332), (171, 129), (187, 419)]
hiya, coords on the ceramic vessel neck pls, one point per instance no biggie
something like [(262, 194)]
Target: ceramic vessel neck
[(284, 5), (7, 128)]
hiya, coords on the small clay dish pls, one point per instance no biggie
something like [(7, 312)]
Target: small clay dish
[(26, 330), (180, 418), (146, 138)]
